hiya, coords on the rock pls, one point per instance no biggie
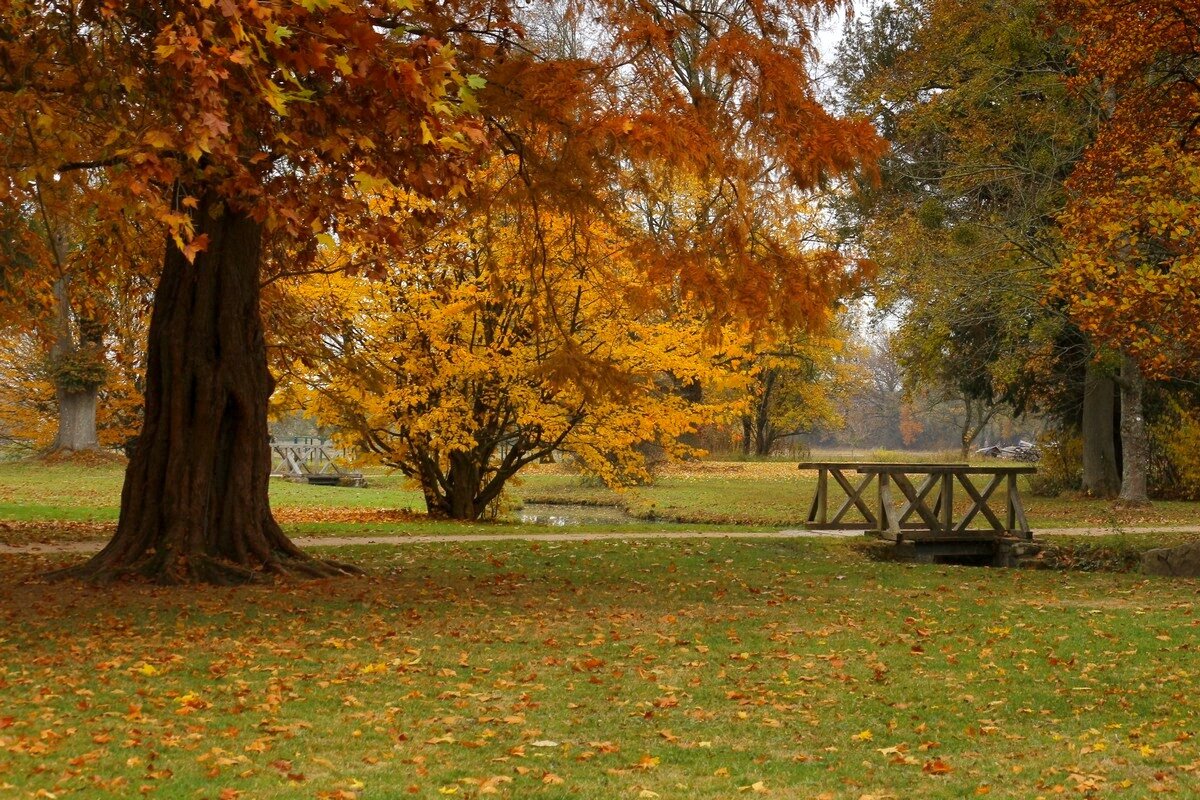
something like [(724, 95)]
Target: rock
[(1018, 553), (1180, 562)]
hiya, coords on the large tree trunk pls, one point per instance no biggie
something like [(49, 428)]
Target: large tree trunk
[(465, 477), (467, 489), (473, 482), (75, 393), (76, 418), (1135, 442), (194, 506), (693, 392), (1100, 476)]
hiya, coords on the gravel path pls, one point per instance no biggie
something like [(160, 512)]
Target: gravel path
[(94, 545)]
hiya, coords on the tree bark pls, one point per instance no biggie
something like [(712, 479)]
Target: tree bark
[(194, 507), (764, 434), (469, 488), (693, 392), (76, 419), (1100, 476), (747, 434), (75, 395), (1135, 441), (964, 449), (977, 416)]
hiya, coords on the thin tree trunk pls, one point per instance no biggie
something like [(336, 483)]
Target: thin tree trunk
[(982, 414), (195, 505), (1135, 442), (1100, 476), (964, 438), (764, 436)]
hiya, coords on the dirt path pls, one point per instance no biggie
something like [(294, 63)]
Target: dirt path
[(94, 545)]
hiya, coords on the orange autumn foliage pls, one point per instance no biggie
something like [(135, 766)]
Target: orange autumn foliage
[(1131, 275)]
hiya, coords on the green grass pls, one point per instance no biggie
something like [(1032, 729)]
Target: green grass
[(757, 493), (717, 500), (707, 494), (692, 669), (32, 491)]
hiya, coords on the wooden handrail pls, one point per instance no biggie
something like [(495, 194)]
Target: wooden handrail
[(962, 469), (856, 464), (937, 520)]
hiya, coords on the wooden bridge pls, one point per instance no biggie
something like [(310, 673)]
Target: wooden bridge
[(917, 503), (312, 461)]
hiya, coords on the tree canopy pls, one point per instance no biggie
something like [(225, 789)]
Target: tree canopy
[(1131, 275)]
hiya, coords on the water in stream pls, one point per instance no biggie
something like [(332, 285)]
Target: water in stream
[(567, 515)]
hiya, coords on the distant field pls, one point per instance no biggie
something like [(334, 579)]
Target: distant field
[(777, 493), (735, 493)]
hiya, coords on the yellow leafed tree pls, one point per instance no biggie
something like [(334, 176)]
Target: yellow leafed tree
[(510, 333), (794, 383)]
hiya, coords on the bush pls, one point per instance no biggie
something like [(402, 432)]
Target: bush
[(1060, 468), (1108, 554), (1174, 472)]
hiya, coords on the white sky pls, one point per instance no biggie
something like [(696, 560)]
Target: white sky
[(829, 35)]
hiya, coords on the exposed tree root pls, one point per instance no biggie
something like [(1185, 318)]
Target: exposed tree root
[(203, 569)]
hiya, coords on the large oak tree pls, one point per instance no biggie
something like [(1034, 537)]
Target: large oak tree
[(233, 122), (985, 132)]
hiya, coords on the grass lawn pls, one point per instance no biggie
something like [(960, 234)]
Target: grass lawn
[(62, 502), (687, 669), (32, 491), (755, 494), (774, 493)]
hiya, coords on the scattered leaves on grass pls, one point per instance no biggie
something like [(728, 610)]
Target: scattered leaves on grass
[(453, 671)]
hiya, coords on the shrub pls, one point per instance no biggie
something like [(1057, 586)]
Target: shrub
[(1175, 454), (1060, 468), (1107, 554)]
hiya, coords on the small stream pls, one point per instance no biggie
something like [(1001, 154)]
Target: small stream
[(566, 515)]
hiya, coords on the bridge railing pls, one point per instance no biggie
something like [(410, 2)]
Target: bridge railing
[(917, 501), (311, 460)]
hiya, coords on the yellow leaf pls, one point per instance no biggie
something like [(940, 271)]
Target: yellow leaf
[(157, 138)]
